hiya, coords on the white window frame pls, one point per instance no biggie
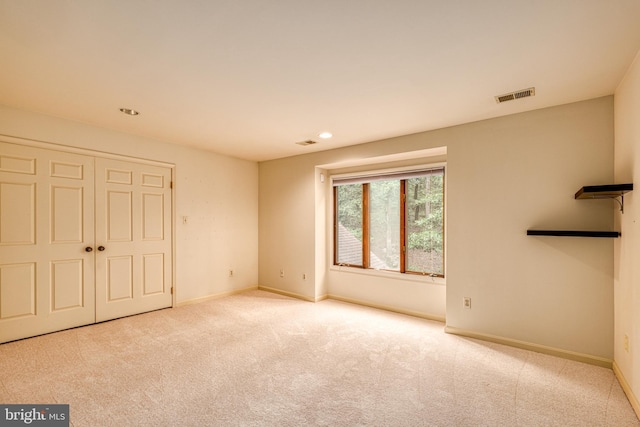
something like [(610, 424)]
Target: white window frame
[(363, 175)]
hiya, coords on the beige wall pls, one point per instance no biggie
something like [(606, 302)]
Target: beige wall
[(627, 249), (519, 172), (504, 176), (218, 194)]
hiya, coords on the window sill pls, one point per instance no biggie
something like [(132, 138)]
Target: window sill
[(389, 275)]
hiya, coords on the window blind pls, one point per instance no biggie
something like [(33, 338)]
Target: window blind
[(386, 176)]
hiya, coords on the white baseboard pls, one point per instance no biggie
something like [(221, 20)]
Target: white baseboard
[(215, 296), (635, 404), (420, 314), (290, 294), (566, 354)]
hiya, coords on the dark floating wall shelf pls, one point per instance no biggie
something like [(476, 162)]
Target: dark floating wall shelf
[(603, 191), (573, 233), (612, 191)]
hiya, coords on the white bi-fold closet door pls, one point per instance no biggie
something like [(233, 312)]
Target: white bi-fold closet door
[(83, 239)]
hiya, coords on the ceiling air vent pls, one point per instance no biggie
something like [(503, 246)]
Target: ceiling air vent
[(516, 95), (307, 142)]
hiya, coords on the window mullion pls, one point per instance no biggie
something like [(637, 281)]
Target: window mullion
[(335, 225), (365, 225), (403, 223)]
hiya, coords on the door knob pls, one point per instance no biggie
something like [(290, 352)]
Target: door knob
[(101, 248), (88, 249)]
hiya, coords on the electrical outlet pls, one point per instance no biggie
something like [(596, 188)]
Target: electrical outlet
[(626, 343), (304, 276), (466, 302), (230, 273), (282, 272)]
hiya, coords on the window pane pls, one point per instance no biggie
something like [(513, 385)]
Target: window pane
[(424, 224), (349, 205), (384, 225)]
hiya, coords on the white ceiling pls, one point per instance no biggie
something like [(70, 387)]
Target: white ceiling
[(249, 78)]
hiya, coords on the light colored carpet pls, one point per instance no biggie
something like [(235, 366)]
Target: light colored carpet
[(258, 358)]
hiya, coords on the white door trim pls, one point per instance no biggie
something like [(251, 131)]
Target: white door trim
[(77, 150)]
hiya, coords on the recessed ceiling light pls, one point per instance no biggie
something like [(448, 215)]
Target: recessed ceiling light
[(129, 111), (325, 135)]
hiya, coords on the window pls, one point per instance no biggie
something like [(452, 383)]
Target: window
[(391, 221)]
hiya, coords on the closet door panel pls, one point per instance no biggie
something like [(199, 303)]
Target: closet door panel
[(46, 224), (133, 225)]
